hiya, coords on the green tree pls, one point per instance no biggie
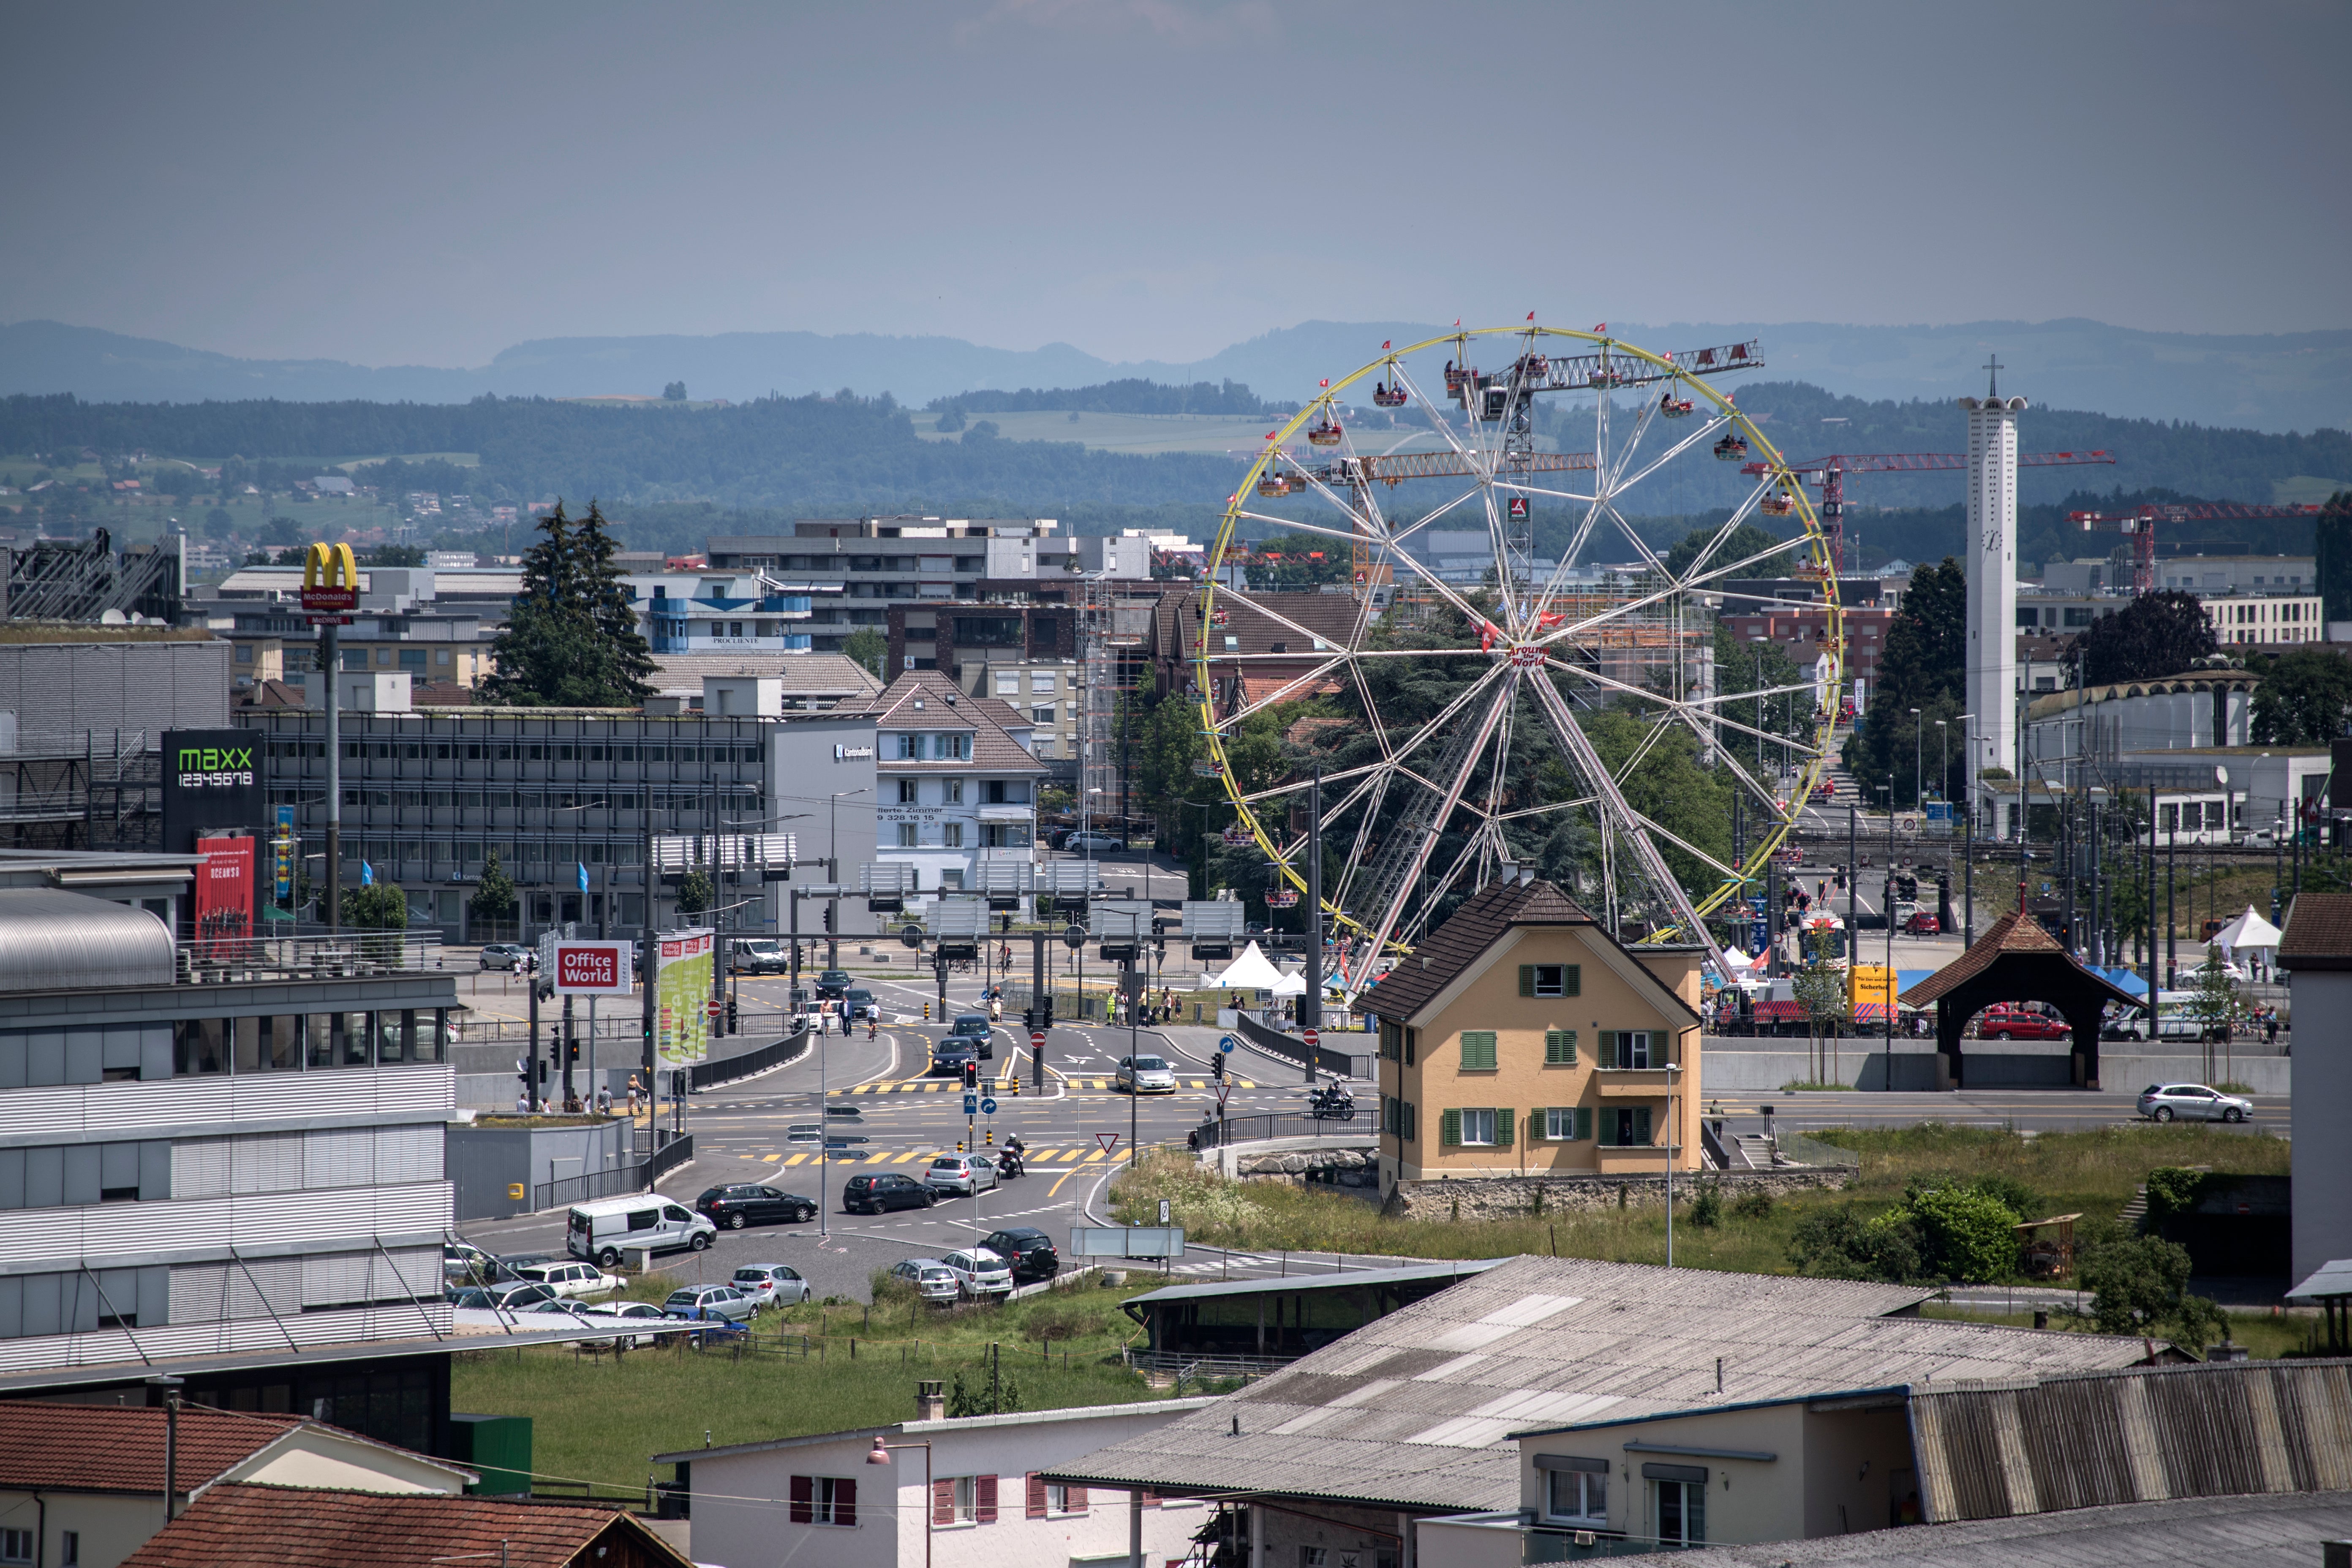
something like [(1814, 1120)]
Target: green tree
[(218, 523), (396, 555), (282, 532), (695, 893), (868, 647), (674, 393), (494, 896), (1923, 665), (1747, 540), (1970, 1234), (572, 639), (1305, 561), (2157, 634), (949, 421), (2333, 537), (2305, 699), (2213, 1000), (2139, 1284), (376, 906)]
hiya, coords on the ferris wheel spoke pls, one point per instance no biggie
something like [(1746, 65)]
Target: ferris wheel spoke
[(1684, 844), (1697, 572), (1416, 833), (1572, 631)]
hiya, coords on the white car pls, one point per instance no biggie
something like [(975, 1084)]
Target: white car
[(604, 1312), (771, 1284), (980, 1272), (575, 1282), (2192, 1103), (1145, 1075), (1079, 843), (965, 1174)]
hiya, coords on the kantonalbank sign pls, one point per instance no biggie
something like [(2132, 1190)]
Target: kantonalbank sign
[(214, 767)]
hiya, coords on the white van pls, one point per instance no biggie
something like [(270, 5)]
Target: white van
[(599, 1230)]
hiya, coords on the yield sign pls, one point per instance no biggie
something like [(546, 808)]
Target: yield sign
[(1223, 1089), (1108, 1140)]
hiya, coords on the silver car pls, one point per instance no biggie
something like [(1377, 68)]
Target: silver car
[(980, 1272), (931, 1278), (1145, 1075), (964, 1173), (2192, 1103), (718, 1301)]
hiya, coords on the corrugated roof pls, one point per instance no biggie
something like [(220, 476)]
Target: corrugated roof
[(52, 940), (1464, 938), (2333, 1278), (242, 1526), (1416, 1410), (1293, 1284), (2196, 1532), (2318, 932)]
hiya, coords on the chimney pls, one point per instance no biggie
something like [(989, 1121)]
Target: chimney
[(931, 1403)]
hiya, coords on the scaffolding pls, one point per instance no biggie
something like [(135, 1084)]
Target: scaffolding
[(1100, 789), (89, 799), (61, 580)]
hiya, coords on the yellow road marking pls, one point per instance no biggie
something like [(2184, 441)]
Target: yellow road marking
[(796, 1160), (904, 1158), (770, 1159), (1093, 1157), (1057, 1182)]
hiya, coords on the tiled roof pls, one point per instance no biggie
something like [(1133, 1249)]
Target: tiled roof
[(238, 1526), (1417, 1409), (947, 706), (2318, 932), (1457, 944), (2014, 932), (119, 1448)]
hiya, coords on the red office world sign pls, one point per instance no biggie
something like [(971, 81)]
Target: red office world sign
[(595, 968)]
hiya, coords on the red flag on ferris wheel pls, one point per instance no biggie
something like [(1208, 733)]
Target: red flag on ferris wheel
[(1384, 345), (1600, 326), (1532, 315)]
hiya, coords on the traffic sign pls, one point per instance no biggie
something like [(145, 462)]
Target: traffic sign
[(1224, 1088), (1225, 1044), (987, 1106), (1108, 1140), (971, 1104), (1036, 1039), (711, 1008), (1313, 1037)]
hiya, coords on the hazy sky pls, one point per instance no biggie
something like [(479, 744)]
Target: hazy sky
[(424, 183)]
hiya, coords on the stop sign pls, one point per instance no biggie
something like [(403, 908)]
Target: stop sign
[(1311, 1037), (1037, 1040)]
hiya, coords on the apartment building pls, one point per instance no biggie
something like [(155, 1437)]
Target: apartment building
[(212, 1161), (1524, 1039), (1021, 654), (880, 560), (959, 783)]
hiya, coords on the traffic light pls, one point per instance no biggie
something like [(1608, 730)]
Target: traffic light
[(971, 1076), (571, 1048), (1217, 1065), (1046, 1005), (732, 1026), (926, 1012)]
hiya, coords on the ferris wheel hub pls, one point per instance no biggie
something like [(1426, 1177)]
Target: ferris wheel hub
[(1527, 656)]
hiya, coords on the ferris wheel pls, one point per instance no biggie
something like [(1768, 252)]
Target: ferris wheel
[(1463, 697)]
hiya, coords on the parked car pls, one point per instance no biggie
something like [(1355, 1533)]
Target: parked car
[(976, 1028), (1144, 1075), (510, 1296), (980, 1272), (1027, 1250), (599, 1230), (506, 955), (465, 1264), (579, 1281), (861, 1005), (1922, 923), (718, 1301), (2013, 1023), (961, 1173), (771, 1284), (833, 986), (1080, 843), (954, 1054), (601, 1314), (761, 956), (930, 1278), (880, 1195), (2192, 1103), (748, 1203)]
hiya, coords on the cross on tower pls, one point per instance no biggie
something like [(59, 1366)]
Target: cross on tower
[(1994, 368)]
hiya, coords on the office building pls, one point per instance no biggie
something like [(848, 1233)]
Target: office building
[(880, 560), (1021, 654)]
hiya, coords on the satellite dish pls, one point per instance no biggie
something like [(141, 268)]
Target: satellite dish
[(2220, 775), (114, 619)]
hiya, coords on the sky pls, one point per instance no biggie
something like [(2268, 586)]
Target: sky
[(1156, 179)]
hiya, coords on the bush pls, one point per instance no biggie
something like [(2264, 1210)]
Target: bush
[(1707, 1209), (1753, 1204), (2141, 1283), (2172, 1190), (1969, 1235), (2011, 1194), (1840, 1244)]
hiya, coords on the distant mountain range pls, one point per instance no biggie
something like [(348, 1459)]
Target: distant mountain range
[(2296, 381)]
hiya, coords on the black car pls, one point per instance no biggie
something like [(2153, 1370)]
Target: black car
[(1029, 1250), (833, 986), (880, 1195), (954, 1054), (737, 1206), (974, 1027)]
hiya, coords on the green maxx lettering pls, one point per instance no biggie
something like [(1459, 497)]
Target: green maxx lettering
[(214, 759)]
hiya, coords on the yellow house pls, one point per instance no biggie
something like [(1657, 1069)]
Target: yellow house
[(1523, 1039)]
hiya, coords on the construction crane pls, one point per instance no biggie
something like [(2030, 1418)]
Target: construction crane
[(2140, 524), (1829, 474)]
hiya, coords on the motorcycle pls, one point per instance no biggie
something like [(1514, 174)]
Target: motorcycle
[(1334, 1102), (1009, 1164)]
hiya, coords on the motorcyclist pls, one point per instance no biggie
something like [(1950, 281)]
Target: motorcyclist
[(1015, 1155)]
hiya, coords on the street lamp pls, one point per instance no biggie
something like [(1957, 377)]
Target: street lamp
[(1916, 733), (1968, 841), (833, 870), (880, 1454)]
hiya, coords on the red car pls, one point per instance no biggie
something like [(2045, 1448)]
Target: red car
[(1921, 924), (2014, 1023)]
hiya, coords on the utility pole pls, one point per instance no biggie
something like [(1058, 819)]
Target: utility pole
[(646, 961), (1310, 1005), (1890, 908), (327, 657)]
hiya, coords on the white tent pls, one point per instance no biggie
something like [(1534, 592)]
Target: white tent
[(1291, 985), (2248, 933), (1250, 971)]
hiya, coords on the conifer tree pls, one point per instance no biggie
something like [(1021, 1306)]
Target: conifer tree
[(571, 640)]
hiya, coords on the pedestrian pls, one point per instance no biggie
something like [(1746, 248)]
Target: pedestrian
[(2270, 1025), (603, 1100), (636, 1089), (522, 1102)]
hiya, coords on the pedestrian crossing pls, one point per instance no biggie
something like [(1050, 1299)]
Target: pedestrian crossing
[(1004, 1085)]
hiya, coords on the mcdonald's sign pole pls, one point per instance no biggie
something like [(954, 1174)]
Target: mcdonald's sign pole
[(330, 592)]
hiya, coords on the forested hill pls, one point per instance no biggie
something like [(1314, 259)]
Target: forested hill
[(845, 453)]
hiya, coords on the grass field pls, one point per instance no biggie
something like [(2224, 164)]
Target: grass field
[(597, 1420), (2094, 1174)]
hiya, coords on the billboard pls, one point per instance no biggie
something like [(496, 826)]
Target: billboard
[(681, 993), (224, 901), (212, 778), (587, 968)]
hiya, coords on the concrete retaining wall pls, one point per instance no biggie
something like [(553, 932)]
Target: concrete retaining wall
[(1515, 1197), (1911, 1067)]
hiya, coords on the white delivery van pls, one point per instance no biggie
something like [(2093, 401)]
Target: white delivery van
[(600, 1230)]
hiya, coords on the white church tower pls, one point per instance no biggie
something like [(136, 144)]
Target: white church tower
[(1992, 579)]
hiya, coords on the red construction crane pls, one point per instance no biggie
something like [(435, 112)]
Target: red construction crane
[(2141, 523), (1829, 474)]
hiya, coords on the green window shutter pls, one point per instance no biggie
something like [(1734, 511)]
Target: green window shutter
[(1539, 1125), (1608, 1128), (1559, 1047), (1527, 979), (1478, 1050), (1608, 1048), (1574, 975), (1503, 1127), (1412, 1129), (1584, 1122), (1449, 1129), (1641, 1127)]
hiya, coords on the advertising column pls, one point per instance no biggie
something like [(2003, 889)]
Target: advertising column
[(681, 1003), (591, 969)]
